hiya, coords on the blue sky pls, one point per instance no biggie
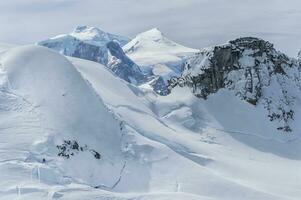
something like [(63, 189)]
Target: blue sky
[(194, 23)]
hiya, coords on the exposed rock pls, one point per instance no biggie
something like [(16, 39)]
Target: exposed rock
[(122, 66), (71, 147)]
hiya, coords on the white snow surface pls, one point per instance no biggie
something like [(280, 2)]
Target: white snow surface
[(152, 48), (153, 147)]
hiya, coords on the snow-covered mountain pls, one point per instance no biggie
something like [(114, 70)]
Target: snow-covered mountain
[(91, 43), (84, 42), (255, 71), (158, 56), (152, 47), (70, 129)]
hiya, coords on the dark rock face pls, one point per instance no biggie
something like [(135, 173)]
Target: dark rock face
[(122, 66), (252, 69)]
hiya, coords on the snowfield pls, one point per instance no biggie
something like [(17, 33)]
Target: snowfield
[(71, 129)]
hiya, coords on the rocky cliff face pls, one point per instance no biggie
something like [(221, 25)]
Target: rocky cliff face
[(254, 70), (122, 66)]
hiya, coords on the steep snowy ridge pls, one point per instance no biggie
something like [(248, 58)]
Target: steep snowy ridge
[(254, 71)]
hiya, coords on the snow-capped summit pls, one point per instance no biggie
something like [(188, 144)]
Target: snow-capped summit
[(152, 34), (158, 57), (96, 36), (153, 47)]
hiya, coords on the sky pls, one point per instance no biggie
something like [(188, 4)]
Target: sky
[(194, 23)]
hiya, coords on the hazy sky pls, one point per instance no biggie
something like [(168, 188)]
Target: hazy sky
[(194, 23)]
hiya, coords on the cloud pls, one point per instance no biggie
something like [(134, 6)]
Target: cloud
[(195, 23)]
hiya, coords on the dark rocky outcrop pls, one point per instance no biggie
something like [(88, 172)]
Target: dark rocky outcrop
[(70, 148), (252, 69)]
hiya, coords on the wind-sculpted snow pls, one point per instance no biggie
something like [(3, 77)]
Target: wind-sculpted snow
[(254, 71)]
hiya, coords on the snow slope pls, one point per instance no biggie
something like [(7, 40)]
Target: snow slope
[(152, 147), (204, 151), (44, 104)]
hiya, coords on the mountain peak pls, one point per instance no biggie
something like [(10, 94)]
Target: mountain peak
[(154, 33), (252, 43), (95, 36), (93, 31), (90, 33)]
